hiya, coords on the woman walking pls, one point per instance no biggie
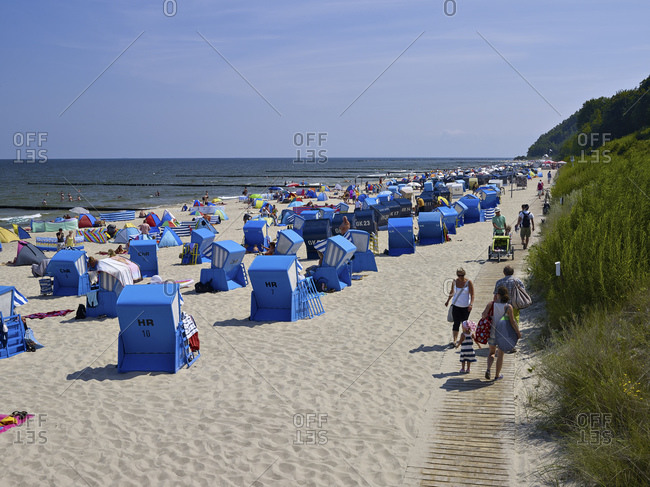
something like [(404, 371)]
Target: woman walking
[(501, 309), (461, 296)]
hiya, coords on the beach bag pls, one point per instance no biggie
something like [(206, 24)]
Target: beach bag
[(483, 328), (520, 298), (81, 312), (450, 315), (505, 334)]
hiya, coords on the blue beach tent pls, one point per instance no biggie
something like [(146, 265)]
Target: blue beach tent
[(23, 234), (202, 223), (279, 294), (449, 216), (400, 236), (364, 259), (169, 238), (289, 242), (256, 235), (226, 271), (69, 271), (335, 271), (430, 228), (145, 254), (13, 341), (151, 337), (124, 235)]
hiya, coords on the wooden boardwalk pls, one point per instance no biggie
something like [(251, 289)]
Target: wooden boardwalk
[(471, 438)]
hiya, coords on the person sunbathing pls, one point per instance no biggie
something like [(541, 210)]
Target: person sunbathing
[(345, 226), (271, 249)]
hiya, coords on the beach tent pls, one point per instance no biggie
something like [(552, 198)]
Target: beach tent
[(21, 232), (322, 197), (168, 224), (310, 194), (169, 239), (7, 236), (114, 275), (153, 336), (144, 253), (202, 223), (27, 254), (12, 342), (124, 235), (400, 236), (335, 272), (152, 220), (296, 203), (226, 271), (86, 220), (364, 259), (167, 217), (69, 272), (278, 292)]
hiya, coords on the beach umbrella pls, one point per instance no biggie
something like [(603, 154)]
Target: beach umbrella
[(78, 209), (275, 188), (296, 203)]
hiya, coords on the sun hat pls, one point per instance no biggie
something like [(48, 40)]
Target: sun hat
[(497, 210)]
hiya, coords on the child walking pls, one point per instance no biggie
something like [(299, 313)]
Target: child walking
[(466, 344)]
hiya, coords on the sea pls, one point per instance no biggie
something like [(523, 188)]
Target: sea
[(33, 190)]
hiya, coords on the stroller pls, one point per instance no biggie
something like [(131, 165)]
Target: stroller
[(501, 247)]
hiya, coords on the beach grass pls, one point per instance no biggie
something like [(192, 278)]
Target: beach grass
[(596, 363)]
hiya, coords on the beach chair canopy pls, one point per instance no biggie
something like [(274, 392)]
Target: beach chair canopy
[(227, 255), (203, 238), (400, 236), (430, 228), (114, 275), (69, 270), (338, 252), (288, 243), (314, 231), (273, 278), (359, 238)]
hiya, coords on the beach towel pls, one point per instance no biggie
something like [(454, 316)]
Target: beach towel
[(19, 421), (40, 316)]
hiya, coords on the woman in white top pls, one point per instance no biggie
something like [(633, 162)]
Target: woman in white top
[(461, 296)]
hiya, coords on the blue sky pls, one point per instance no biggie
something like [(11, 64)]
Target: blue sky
[(453, 92)]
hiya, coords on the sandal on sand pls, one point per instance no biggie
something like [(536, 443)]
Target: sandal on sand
[(487, 374), (498, 378), (461, 371)]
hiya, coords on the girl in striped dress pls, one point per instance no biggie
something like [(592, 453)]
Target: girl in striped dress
[(466, 344)]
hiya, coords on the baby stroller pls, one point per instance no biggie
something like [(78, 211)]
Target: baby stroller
[(501, 247)]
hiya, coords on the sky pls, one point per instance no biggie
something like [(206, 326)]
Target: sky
[(369, 78)]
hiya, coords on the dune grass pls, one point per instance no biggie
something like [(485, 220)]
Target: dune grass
[(597, 364)]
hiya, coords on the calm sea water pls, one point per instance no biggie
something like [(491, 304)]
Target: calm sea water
[(180, 180)]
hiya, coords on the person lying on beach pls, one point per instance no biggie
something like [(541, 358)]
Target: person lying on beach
[(271, 249)]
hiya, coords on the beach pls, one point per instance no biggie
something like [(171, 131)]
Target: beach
[(339, 399)]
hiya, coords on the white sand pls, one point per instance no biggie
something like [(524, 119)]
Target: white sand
[(236, 417)]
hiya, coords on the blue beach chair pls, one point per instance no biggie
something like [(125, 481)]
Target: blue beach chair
[(400, 236), (364, 259), (227, 271), (69, 272), (335, 271), (153, 336), (279, 294)]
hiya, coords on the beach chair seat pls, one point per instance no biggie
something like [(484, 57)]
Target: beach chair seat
[(288, 242), (364, 258), (190, 254)]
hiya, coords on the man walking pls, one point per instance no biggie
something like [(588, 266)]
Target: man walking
[(527, 225)]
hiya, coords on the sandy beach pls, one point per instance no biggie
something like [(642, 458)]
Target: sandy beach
[(337, 400)]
